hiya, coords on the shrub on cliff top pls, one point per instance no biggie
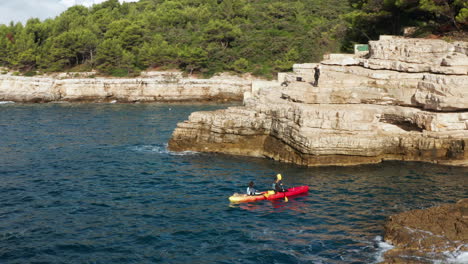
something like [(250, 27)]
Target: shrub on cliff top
[(30, 73), (196, 36), (210, 36)]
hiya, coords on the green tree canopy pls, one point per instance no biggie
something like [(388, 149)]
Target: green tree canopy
[(209, 36)]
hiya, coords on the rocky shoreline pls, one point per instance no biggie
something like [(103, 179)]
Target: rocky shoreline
[(428, 235), (407, 99), (150, 87)]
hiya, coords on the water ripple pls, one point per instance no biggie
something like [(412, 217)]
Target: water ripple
[(96, 184)]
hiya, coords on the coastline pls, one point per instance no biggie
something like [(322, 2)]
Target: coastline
[(150, 87)]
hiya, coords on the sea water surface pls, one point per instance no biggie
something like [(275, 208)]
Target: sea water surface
[(95, 183)]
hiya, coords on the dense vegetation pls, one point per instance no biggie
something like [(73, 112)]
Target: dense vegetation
[(208, 36), (371, 18)]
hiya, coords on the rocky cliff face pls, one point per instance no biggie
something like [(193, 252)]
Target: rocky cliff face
[(429, 236), (407, 100), (158, 86)]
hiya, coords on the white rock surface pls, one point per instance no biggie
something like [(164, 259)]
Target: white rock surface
[(443, 92), (164, 86), (400, 110), (418, 55)]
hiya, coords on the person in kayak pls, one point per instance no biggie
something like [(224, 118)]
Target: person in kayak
[(278, 184), (251, 189)]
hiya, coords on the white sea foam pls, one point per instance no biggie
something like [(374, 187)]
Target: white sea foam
[(454, 257), (147, 148), (183, 153), (382, 247), (161, 149), (7, 102), (458, 257)]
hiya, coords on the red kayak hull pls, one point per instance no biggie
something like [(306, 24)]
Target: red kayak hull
[(265, 196)]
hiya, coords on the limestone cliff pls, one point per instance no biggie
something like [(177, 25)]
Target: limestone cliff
[(156, 86), (406, 100)]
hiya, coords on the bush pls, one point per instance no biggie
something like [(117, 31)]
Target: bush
[(119, 73), (263, 70), (30, 73), (241, 65)]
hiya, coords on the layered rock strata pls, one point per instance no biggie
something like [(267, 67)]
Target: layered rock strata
[(358, 114), (429, 235), (157, 86)]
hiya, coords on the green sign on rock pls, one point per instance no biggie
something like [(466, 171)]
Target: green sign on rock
[(362, 47)]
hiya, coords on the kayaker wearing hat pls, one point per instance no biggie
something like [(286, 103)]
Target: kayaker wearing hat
[(278, 184)]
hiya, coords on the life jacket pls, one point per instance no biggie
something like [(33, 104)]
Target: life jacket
[(278, 186)]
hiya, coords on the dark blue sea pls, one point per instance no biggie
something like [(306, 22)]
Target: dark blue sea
[(95, 183)]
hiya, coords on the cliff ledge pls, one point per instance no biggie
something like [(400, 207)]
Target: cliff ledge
[(406, 99)]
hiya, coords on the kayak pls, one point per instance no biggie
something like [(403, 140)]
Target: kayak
[(268, 195)]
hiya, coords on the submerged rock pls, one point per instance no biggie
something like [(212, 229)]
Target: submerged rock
[(357, 114), (424, 236)]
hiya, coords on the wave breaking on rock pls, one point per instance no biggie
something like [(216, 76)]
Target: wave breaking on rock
[(434, 235)]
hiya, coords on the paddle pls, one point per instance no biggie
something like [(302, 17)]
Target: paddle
[(266, 194)]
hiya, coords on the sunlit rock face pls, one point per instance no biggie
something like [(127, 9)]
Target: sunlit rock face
[(26, 89), (436, 234), (357, 114), (443, 92), (417, 55), (157, 86)]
